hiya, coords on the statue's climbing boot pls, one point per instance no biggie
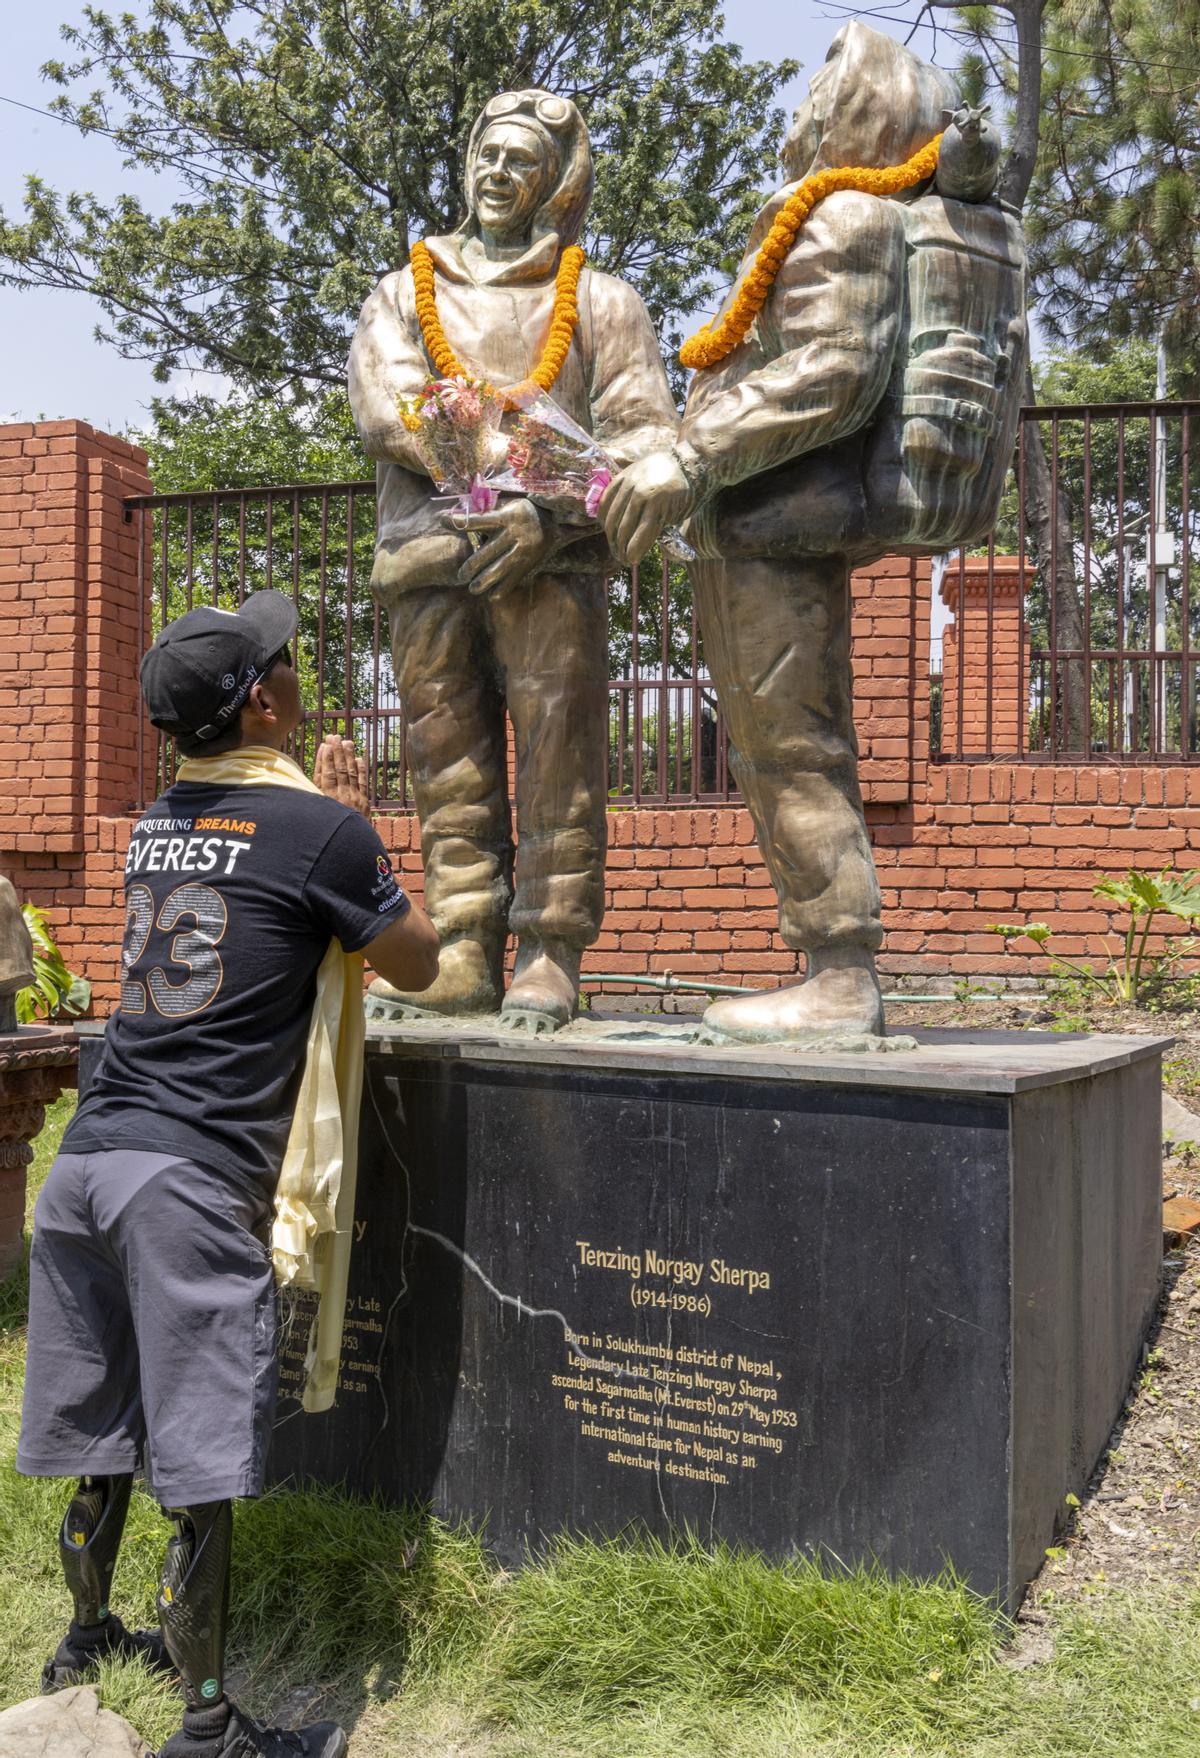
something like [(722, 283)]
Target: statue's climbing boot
[(544, 993), (838, 998), (469, 980)]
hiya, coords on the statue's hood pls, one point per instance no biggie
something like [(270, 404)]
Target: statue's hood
[(560, 124), (873, 103)]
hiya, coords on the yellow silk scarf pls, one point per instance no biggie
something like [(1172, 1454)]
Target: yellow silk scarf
[(314, 1199)]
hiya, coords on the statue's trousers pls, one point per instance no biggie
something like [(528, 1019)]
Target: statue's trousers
[(777, 643), (541, 650)]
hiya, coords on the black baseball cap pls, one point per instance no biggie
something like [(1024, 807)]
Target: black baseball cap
[(203, 666)]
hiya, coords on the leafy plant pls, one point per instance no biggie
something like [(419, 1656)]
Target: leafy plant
[(965, 990), (1131, 972), (54, 990), (1146, 895), (1181, 1075), (1038, 932)]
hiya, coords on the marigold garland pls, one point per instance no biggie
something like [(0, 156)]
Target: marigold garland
[(709, 345), (562, 324)]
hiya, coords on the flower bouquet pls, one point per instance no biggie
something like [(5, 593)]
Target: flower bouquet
[(558, 465), (454, 422)]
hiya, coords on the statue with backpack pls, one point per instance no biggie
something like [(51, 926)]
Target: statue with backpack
[(857, 396)]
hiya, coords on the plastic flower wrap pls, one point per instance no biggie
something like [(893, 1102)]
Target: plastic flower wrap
[(454, 422), (558, 465)]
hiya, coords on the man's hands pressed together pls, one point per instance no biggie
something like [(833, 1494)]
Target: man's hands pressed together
[(342, 774), (406, 952)]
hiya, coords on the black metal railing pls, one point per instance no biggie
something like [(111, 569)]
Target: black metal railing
[(316, 541), (1098, 535), (1070, 637)]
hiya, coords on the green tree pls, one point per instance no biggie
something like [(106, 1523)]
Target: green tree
[(315, 140), (1111, 213), (317, 545), (204, 442), (1112, 217)]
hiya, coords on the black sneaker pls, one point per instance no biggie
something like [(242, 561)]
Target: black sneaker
[(77, 1657), (243, 1737)]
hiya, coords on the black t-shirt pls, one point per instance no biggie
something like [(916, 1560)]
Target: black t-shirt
[(232, 896)]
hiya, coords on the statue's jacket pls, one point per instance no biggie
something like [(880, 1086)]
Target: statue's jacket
[(874, 404), (612, 384)]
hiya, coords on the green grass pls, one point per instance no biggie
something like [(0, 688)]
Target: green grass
[(411, 1635), (608, 1628)]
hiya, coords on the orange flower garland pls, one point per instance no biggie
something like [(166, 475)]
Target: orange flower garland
[(709, 345), (562, 324)]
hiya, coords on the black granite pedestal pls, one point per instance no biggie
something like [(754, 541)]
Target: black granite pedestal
[(881, 1305), (885, 1305)]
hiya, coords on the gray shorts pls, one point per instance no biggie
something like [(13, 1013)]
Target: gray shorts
[(151, 1327)]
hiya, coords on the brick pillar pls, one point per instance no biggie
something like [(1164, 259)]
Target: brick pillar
[(72, 628), (889, 651), (976, 632)]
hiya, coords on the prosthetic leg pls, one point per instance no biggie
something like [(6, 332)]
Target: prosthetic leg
[(193, 1598), (193, 1608), (88, 1542)]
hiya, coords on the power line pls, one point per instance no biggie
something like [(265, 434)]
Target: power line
[(968, 36), (53, 115)]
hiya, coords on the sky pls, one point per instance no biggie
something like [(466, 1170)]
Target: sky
[(51, 366)]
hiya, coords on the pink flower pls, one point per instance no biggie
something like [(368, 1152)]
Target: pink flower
[(598, 481), (455, 398), (481, 497)]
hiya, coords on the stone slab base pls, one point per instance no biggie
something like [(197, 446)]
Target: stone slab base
[(883, 1306), (879, 1306)]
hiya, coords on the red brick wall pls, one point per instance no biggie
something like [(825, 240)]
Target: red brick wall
[(890, 659), (957, 845), (71, 633), (687, 890), (988, 715), (1011, 842)]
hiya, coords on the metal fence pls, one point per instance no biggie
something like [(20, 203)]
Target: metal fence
[(316, 542), (1092, 658), (1099, 530)]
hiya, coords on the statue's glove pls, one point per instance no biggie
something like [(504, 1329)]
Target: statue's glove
[(639, 503), (519, 536)]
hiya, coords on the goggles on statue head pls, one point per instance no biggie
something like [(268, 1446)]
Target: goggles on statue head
[(553, 113)]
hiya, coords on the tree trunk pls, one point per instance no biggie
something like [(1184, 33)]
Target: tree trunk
[(1050, 521)]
